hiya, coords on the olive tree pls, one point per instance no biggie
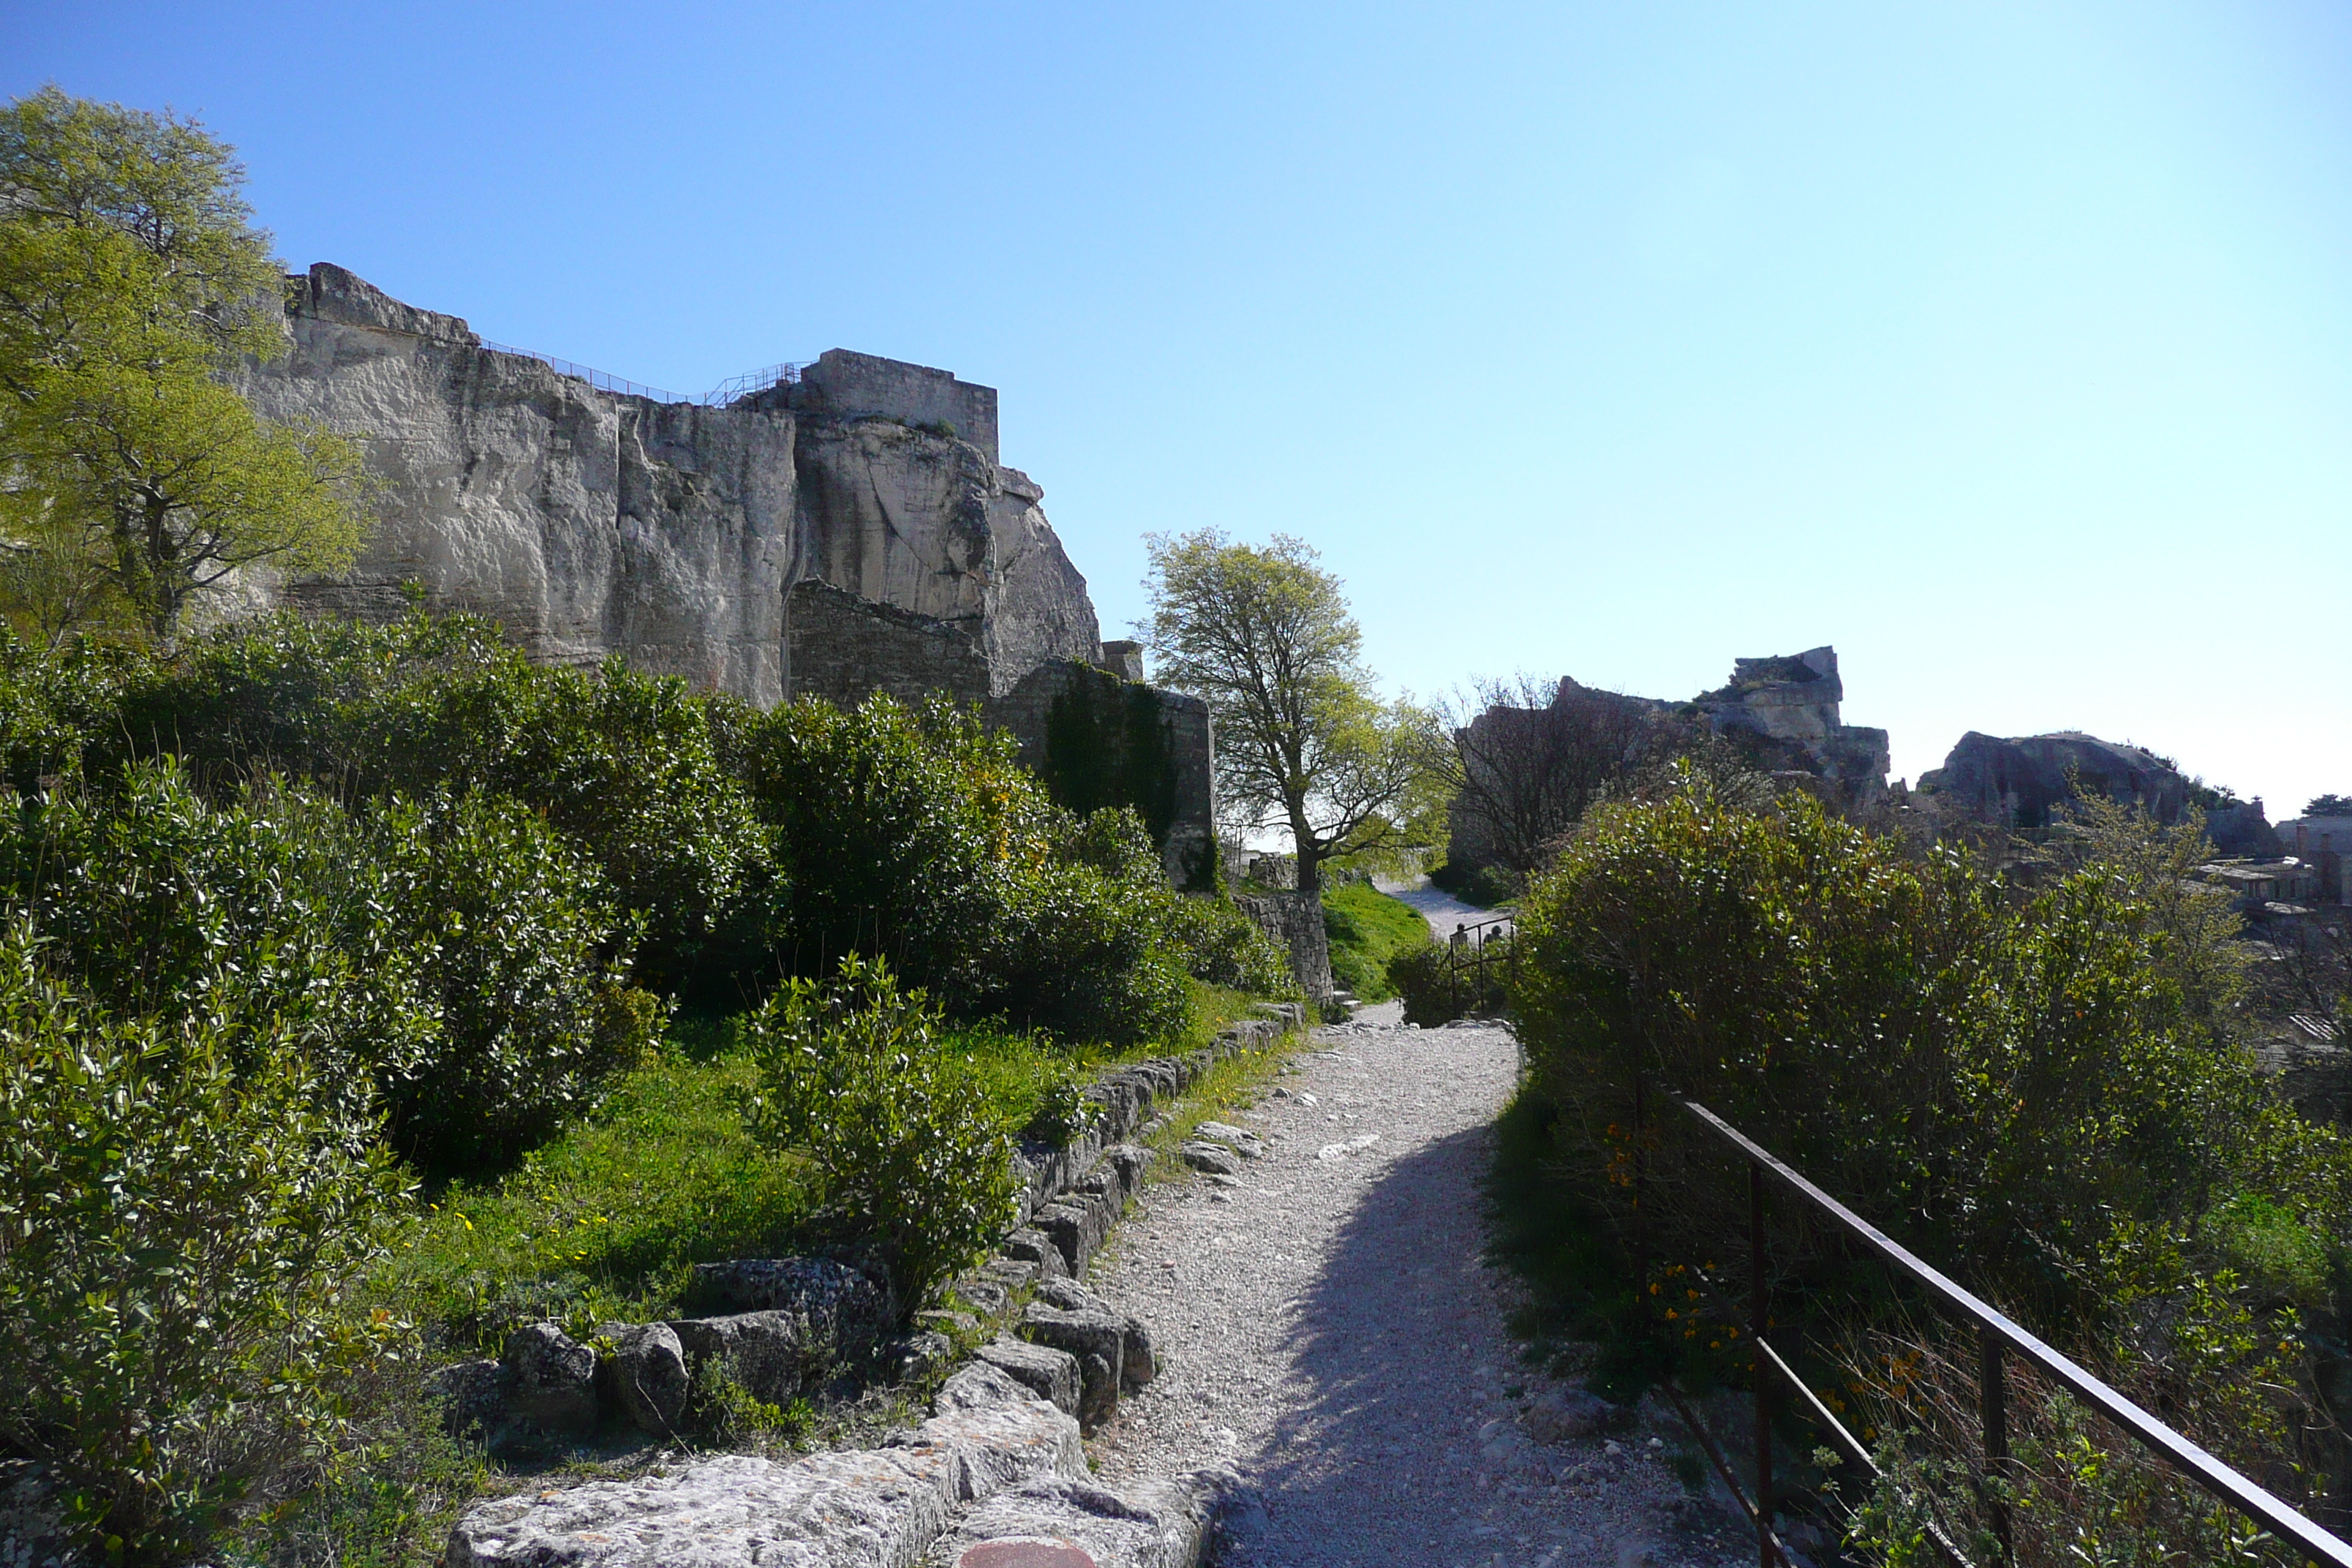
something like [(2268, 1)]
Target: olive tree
[(1303, 740), (131, 284)]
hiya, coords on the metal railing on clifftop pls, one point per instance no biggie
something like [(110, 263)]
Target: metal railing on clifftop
[(718, 396)]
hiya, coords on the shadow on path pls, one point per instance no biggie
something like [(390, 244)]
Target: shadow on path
[(1398, 1350)]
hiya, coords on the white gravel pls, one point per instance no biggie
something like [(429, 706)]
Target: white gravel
[(1329, 1326), (1442, 910)]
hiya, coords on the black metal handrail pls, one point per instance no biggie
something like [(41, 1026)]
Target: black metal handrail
[(1998, 1335), (1468, 949)]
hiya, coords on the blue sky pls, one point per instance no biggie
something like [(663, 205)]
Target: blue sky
[(2008, 348)]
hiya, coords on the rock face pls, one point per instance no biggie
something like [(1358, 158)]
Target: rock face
[(2017, 783), (1785, 709), (843, 529), (1534, 770), (590, 522)]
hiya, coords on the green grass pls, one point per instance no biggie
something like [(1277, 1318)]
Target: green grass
[(604, 1222), (609, 1216), (1367, 927)]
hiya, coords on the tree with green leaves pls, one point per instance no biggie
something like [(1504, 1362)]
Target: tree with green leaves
[(131, 284), (1303, 741)]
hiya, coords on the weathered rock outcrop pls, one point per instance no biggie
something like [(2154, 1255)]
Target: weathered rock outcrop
[(2017, 783), (845, 530), (1533, 770), (1784, 710), (590, 522)]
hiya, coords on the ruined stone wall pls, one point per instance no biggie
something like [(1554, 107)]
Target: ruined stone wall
[(1100, 740), (845, 648), (1295, 920), (843, 385)]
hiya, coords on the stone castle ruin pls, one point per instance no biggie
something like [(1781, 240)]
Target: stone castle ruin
[(843, 529), (1782, 714)]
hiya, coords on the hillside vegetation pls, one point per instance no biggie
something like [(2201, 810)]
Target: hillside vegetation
[(370, 990), (2035, 1080)]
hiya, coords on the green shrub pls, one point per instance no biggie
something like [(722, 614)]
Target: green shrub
[(525, 970), (51, 706), (1484, 886), (457, 950), (2008, 1080), (2018, 1081), (151, 901), (852, 1074), (623, 764), (921, 839), (1222, 946), (1436, 990), (1069, 952), (183, 1211)]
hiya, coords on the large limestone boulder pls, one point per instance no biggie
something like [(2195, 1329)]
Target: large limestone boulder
[(2015, 782)]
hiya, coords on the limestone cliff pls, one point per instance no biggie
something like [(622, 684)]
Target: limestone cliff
[(1784, 710), (842, 530), (590, 522)]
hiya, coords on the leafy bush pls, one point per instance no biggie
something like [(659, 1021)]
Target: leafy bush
[(525, 968), (2012, 1081), (624, 765), (152, 902), (852, 1074), (1484, 886), (2029, 1083), (1222, 946), (182, 1211), (919, 838), (458, 952)]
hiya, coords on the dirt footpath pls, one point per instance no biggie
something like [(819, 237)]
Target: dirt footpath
[(1324, 1321)]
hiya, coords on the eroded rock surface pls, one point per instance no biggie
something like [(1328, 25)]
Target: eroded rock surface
[(591, 522), (873, 1509)]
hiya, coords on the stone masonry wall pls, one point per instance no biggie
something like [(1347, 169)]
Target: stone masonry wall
[(845, 648), (844, 384), (1100, 740)]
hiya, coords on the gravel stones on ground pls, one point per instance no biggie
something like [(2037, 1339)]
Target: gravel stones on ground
[(873, 1509), (1330, 1330), (1240, 1139)]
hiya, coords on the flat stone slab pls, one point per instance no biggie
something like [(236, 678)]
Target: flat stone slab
[(878, 1508), (1061, 1522), (1214, 1158)]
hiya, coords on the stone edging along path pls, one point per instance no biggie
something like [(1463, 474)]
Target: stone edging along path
[(996, 1478)]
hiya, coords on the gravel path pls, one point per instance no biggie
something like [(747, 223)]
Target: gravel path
[(1441, 909), (1328, 1326)]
